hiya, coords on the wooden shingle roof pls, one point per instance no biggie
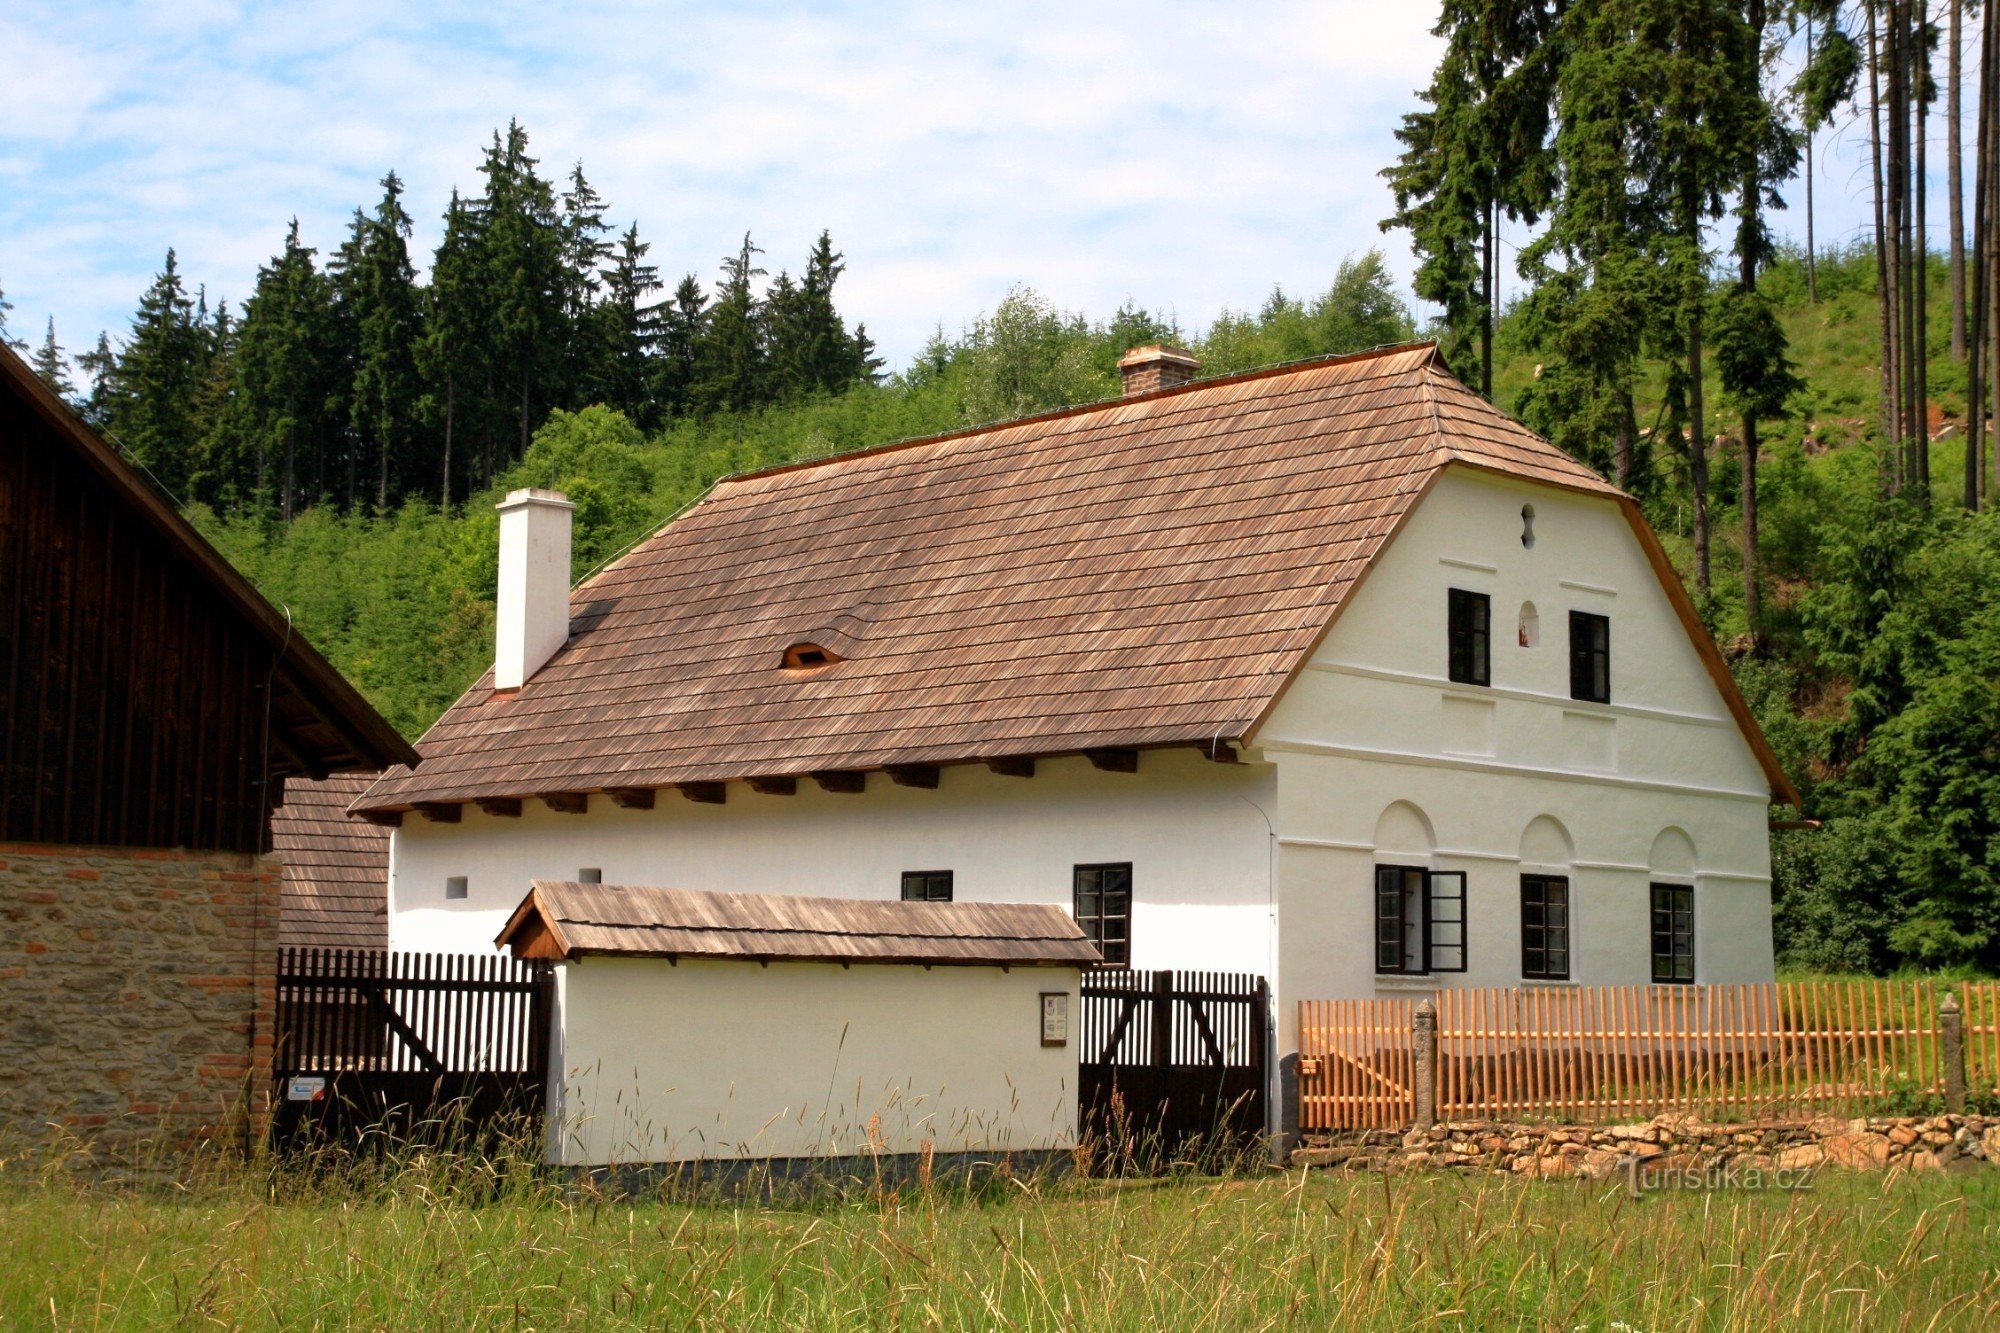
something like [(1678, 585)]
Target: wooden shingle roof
[(336, 884), (559, 919), (1138, 573)]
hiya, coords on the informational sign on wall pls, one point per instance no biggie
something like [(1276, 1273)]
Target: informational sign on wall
[(305, 1087), (1055, 1018)]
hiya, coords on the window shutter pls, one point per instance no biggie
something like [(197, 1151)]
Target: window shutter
[(1579, 656), (1446, 944), (1388, 919)]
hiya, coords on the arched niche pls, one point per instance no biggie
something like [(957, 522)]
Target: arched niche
[(1545, 842), (1673, 854), (1530, 627), (1404, 830)]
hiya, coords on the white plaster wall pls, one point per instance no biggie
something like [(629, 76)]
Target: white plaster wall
[(1373, 722), (731, 1060), (1195, 832)]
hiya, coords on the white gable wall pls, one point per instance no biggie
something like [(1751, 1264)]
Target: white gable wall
[(1195, 832), (1381, 759)]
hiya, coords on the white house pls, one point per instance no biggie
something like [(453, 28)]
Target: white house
[(1331, 673)]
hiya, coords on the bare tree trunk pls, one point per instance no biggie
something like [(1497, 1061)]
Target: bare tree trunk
[(1490, 280), (1885, 245), (1920, 256), (1625, 443), (450, 419), (1986, 238), (1955, 180), (1698, 456), (1812, 252), (1975, 370)]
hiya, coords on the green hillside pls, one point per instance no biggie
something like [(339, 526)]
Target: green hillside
[(1882, 615)]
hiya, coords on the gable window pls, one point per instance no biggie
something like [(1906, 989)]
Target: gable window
[(1104, 909), (1419, 920), (1673, 933), (1589, 657), (455, 887), (1470, 637), (1545, 927), (926, 886)]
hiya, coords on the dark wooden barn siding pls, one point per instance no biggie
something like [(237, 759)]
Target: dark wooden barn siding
[(131, 696)]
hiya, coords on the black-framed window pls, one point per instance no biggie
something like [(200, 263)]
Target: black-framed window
[(1419, 920), (1673, 934), (926, 886), (1589, 657), (1470, 646), (1104, 909), (1545, 927)]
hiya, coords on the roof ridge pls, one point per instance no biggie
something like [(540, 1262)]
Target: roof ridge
[(1079, 409)]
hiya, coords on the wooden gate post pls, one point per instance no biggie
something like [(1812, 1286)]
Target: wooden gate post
[(1424, 1042), (1951, 1045)]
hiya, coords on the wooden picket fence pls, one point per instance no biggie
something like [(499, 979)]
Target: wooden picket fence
[(1778, 1050)]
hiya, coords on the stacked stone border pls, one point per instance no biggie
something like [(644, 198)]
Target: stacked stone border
[(137, 994), (1669, 1147)]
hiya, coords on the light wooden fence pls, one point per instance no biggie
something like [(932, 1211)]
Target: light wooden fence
[(1357, 1067), (1780, 1050)]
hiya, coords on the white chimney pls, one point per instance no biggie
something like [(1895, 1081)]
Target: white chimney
[(533, 615)]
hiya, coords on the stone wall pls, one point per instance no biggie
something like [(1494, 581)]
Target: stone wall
[(136, 998), (1669, 1143)]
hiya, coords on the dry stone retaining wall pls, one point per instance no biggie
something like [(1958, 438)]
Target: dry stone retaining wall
[(1669, 1142), (136, 997)]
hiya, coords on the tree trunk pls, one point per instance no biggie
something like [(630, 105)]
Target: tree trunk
[(1955, 181), (1920, 261), (1623, 446), (450, 420), (1491, 282), (1698, 456), (1987, 238), (1749, 244), (1885, 244), (1812, 254)]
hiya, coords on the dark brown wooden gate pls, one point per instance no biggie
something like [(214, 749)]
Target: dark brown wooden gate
[(396, 1047), (1173, 1061)]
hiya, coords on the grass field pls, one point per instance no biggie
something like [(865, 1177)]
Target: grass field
[(1258, 1251)]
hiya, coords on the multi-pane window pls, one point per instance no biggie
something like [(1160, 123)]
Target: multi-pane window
[(926, 886), (1545, 927), (1673, 933), (1104, 909), (1419, 920), (1589, 657), (1470, 637)]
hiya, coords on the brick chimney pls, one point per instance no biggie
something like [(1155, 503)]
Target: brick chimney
[(1156, 366), (532, 618)]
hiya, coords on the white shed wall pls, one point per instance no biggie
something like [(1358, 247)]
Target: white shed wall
[(1195, 832), (728, 1060), (1381, 759)]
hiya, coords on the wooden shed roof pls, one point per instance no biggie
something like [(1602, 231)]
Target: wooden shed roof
[(336, 887), (1138, 573), (561, 920), (319, 723)]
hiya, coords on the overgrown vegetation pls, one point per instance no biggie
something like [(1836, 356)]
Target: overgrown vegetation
[(437, 1242)]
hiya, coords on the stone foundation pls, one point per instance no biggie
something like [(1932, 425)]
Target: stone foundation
[(136, 999), (1667, 1143)]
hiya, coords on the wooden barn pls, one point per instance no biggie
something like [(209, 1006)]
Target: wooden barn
[(152, 707)]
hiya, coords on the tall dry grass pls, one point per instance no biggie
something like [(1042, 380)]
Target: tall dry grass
[(425, 1236)]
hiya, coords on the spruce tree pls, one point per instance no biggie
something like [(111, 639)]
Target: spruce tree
[(388, 325), (6, 340), (152, 411), (100, 363), (520, 245), (730, 355), (585, 252), (49, 363), (628, 331), (683, 328), (455, 353), (282, 373)]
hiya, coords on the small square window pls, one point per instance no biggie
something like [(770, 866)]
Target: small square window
[(926, 886), (456, 886), (1470, 637), (590, 875)]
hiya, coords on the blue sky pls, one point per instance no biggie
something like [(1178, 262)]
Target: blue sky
[(1186, 156)]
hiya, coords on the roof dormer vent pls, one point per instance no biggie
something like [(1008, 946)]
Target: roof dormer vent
[(804, 656)]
